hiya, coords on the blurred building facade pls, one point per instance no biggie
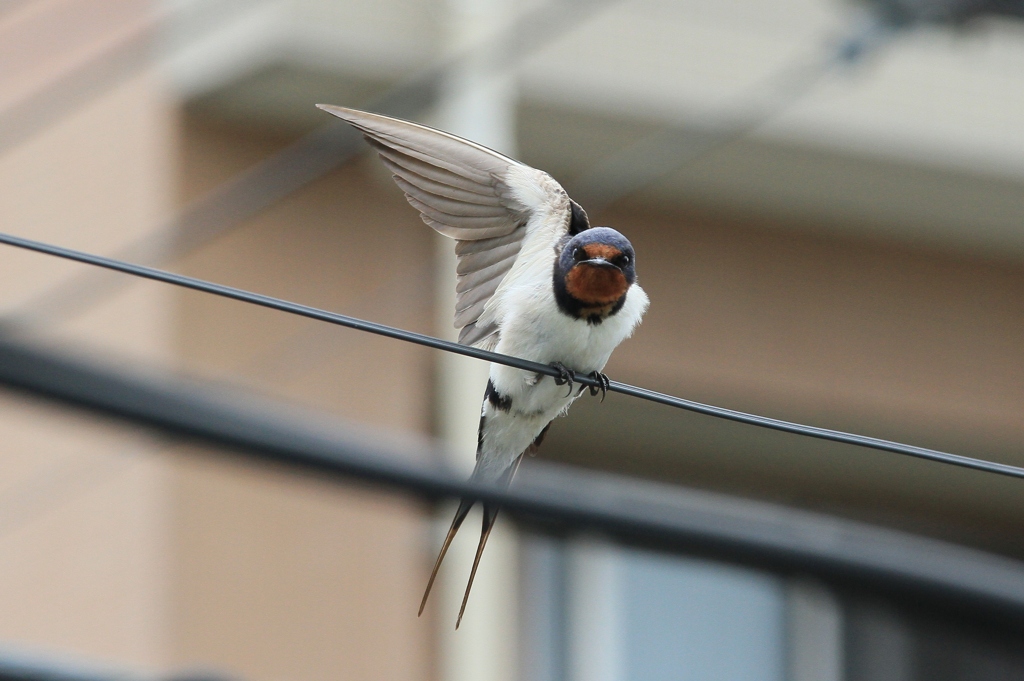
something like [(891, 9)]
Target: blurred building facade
[(855, 262)]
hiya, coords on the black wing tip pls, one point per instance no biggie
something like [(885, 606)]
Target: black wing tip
[(578, 219)]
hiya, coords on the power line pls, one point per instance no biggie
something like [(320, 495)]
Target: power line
[(663, 152), (515, 362), (956, 13)]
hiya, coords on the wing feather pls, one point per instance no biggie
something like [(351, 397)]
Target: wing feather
[(480, 337), (425, 184), (478, 277), (443, 204), (467, 171), (471, 304), (413, 166), (486, 252), (464, 226), (488, 202), (480, 294)]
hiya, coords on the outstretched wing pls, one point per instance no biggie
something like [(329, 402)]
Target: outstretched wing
[(487, 202)]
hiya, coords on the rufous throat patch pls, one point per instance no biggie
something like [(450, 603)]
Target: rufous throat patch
[(595, 285)]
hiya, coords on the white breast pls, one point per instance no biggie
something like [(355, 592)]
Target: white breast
[(536, 329)]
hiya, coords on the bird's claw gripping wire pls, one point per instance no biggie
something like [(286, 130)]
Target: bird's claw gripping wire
[(565, 375), (603, 383)]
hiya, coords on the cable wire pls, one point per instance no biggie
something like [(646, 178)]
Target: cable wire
[(656, 156), (514, 362)]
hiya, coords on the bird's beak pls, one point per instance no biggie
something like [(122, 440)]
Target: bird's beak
[(599, 262)]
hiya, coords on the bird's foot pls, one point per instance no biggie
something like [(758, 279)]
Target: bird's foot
[(565, 375), (603, 384)]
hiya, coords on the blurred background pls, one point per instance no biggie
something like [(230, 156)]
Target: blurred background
[(826, 199)]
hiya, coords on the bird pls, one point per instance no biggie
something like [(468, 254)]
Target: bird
[(535, 281)]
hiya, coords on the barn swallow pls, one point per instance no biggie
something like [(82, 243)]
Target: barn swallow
[(535, 281)]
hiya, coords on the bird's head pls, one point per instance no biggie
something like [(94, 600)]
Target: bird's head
[(593, 272)]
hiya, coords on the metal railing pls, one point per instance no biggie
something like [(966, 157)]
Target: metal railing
[(549, 498)]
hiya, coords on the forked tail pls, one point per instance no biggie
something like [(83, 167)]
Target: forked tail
[(490, 513), (460, 516)]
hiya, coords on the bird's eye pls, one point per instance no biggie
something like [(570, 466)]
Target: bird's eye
[(579, 254), (621, 261)]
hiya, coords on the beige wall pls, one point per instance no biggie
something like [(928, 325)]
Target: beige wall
[(83, 537), (278, 577), (335, 246), (818, 326), (119, 546), (84, 504), (917, 346)]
